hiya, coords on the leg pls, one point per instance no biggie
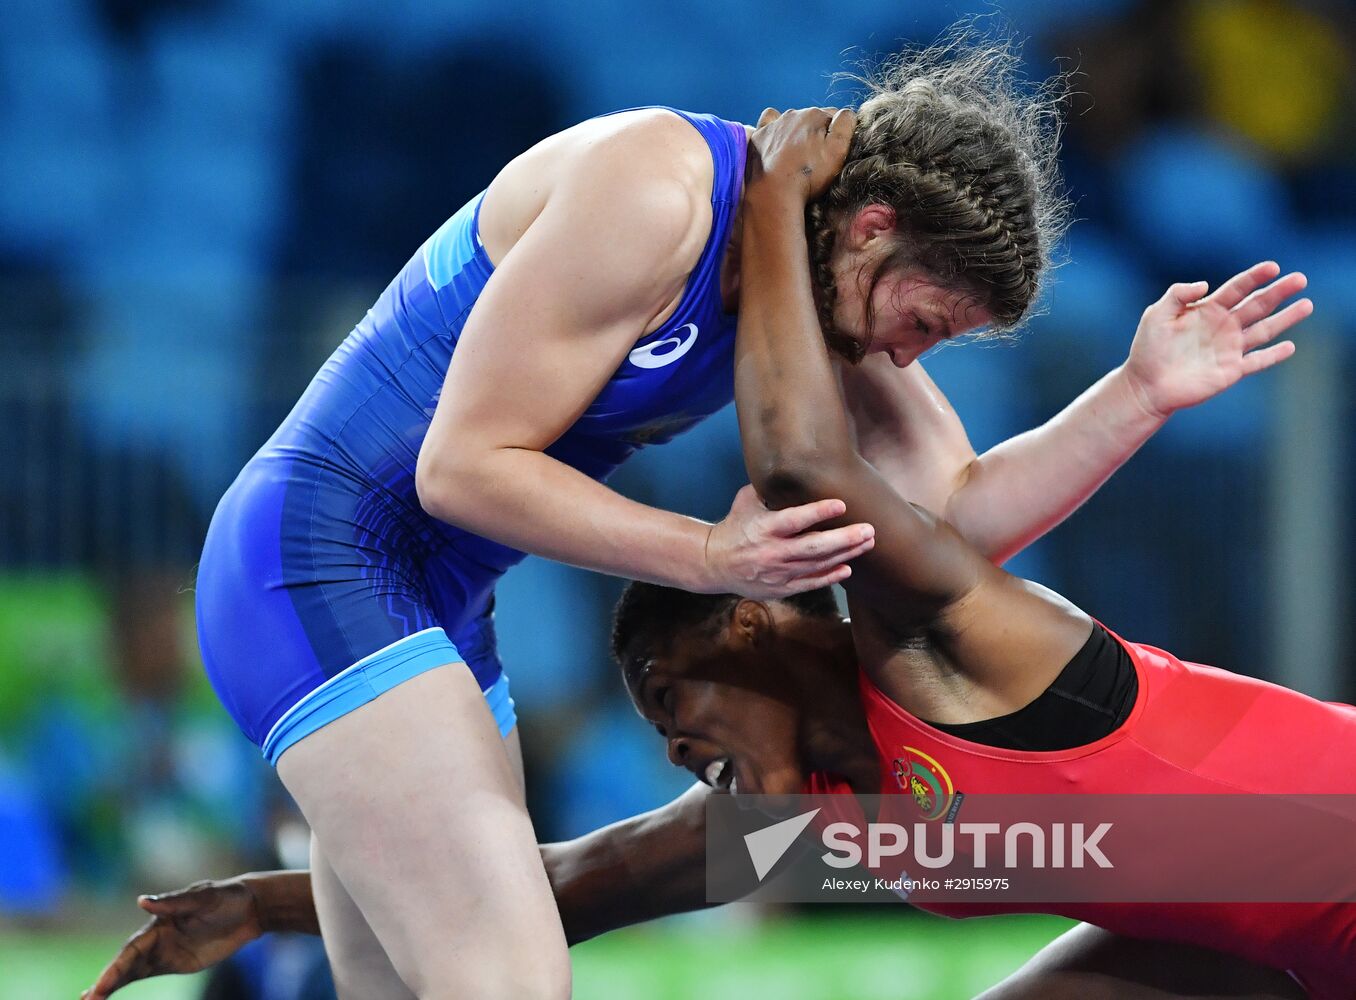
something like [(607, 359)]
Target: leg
[(514, 747), (361, 969), (1088, 963), (417, 808)]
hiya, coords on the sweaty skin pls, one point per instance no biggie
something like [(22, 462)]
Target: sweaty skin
[(653, 864), (937, 627), (603, 223), (635, 870)]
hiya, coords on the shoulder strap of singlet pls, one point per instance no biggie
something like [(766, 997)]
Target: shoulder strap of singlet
[(729, 146), (726, 140)]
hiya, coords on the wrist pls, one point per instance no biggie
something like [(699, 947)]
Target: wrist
[(705, 577), (682, 556), (1139, 395), (278, 905), (768, 194)]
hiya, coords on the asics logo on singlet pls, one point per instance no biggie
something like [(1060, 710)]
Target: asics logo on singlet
[(672, 349)]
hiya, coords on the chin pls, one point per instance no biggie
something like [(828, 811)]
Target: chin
[(781, 781)]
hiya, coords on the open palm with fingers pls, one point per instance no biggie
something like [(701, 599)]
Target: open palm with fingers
[(1191, 346), (190, 930)]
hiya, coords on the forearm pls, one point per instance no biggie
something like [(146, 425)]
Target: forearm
[(530, 501), (649, 866), (797, 443), (1020, 489), (791, 415), (283, 901)]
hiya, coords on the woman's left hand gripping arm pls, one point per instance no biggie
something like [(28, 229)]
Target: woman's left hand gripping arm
[(1189, 347)]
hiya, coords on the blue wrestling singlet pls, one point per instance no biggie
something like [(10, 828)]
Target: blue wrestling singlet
[(323, 583)]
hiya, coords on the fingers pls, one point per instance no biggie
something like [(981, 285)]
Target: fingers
[(840, 135), (822, 570), (1273, 326), (842, 124), (770, 115), (793, 520), (171, 904), (1261, 360), (1185, 293), (117, 974), (832, 544), (1231, 293), (838, 122), (814, 565), (1260, 303), (801, 584)]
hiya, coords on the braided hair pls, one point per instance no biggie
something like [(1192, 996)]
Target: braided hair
[(965, 156)]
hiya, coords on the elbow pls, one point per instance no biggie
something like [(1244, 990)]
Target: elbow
[(791, 478), (441, 478)]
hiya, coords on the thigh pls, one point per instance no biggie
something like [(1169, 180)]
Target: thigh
[(360, 966), (415, 804), (1088, 963), (514, 748), (303, 578)]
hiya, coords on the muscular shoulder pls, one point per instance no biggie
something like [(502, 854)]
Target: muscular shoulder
[(655, 170), (640, 180)]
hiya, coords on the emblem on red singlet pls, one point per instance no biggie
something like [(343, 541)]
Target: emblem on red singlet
[(925, 781)]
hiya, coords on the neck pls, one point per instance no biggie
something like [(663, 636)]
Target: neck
[(729, 264), (834, 734)]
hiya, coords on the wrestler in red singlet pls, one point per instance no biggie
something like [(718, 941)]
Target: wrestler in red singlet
[(1193, 729)]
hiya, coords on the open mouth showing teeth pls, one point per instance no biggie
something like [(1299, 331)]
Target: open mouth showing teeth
[(719, 773)]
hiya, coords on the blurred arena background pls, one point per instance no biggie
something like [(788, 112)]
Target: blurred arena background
[(198, 198)]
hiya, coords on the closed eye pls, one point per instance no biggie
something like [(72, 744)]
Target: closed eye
[(660, 697)]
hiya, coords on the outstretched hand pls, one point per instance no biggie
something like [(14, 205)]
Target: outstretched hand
[(190, 930), (800, 151), (766, 554), (1190, 347)]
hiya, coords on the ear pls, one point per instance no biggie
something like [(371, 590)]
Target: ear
[(869, 224), (750, 622)]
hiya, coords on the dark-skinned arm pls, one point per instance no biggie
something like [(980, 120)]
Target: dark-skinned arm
[(1006, 639), (795, 432), (194, 928), (641, 868), (649, 866)]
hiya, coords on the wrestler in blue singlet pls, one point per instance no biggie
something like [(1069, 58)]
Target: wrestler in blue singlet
[(323, 583)]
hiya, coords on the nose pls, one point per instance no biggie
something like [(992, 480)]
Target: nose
[(678, 751), (903, 357)]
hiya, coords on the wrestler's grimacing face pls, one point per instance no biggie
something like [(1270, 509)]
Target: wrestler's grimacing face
[(723, 716)]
